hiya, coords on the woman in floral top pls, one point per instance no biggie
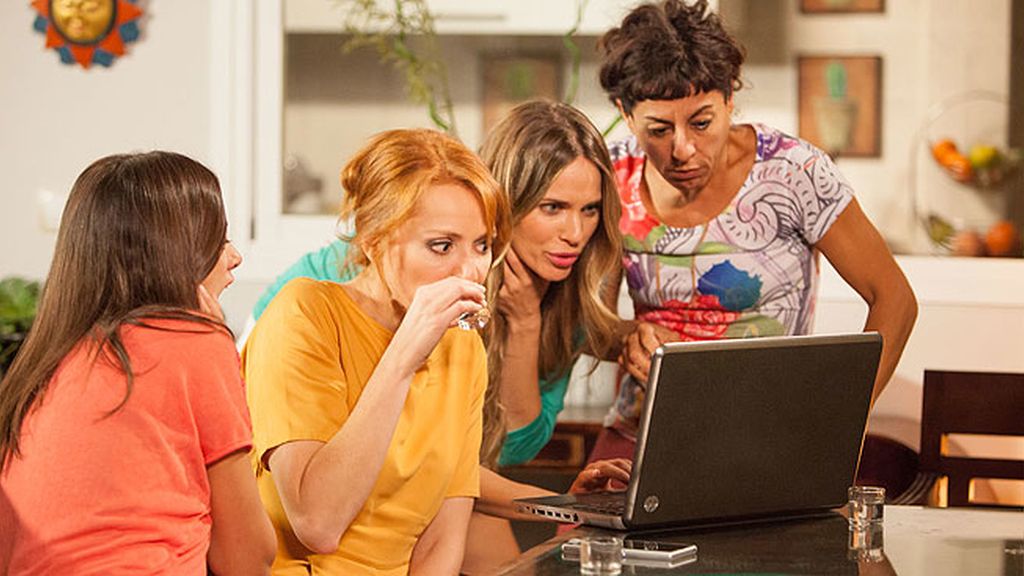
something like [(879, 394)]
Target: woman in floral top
[(723, 222)]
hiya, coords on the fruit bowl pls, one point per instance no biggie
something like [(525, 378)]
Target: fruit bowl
[(1001, 239), (984, 166), (963, 175)]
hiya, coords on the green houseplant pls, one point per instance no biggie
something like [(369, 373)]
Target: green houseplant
[(391, 26), (19, 299)]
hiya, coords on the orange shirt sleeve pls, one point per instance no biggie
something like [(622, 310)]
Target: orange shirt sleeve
[(216, 395), (295, 384)]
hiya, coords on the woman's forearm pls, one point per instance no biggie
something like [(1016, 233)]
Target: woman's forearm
[(440, 548), (520, 389), (892, 315), (498, 492), (324, 486)]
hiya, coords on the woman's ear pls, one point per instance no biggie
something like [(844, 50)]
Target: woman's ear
[(627, 118), (368, 250)]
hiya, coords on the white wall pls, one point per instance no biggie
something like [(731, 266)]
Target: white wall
[(55, 119), (931, 51)]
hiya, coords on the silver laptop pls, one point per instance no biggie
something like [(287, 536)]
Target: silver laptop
[(736, 431)]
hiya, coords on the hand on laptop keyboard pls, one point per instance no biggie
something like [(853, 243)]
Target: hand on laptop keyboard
[(603, 476)]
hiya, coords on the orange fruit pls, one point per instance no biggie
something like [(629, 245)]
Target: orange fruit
[(967, 243), (942, 150), (1003, 239), (959, 167)]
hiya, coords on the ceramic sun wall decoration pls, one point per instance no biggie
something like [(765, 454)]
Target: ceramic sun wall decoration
[(88, 32)]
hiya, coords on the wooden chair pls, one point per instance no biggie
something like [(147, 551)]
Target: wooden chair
[(969, 403), (887, 463)]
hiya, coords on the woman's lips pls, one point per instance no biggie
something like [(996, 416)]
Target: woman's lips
[(686, 175), (563, 259)]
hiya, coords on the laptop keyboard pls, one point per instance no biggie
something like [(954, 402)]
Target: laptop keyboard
[(611, 503)]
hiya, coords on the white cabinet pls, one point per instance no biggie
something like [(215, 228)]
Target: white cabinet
[(281, 82), (521, 17)]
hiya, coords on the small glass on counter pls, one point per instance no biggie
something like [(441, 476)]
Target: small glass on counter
[(866, 506), (601, 555)]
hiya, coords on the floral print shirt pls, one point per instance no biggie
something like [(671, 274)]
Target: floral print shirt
[(752, 272)]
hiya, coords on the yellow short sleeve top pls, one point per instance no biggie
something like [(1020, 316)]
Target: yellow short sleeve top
[(305, 365)]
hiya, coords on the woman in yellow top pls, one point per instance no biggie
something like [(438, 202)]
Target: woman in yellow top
[(366, 404)]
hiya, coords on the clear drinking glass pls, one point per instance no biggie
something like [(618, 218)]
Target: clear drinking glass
[(866, 506), (474, 321), (601, 555), (867, 544)]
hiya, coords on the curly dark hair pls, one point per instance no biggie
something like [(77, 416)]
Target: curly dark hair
[(669, 50)]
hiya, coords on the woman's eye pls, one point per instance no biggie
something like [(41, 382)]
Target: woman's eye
[(548, 208), (483, 246), (443, 247), (592, 210), (658, 132), (702, 124)]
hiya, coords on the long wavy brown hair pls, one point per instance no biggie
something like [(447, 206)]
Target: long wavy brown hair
[(526, 151), (138, 235)]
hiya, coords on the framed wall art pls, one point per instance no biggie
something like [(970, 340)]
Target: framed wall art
[(840, 104), (510, 80), (87, 32)]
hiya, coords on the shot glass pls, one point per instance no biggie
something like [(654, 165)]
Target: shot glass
[(866, 544), (601, 555), (474, 321), (866, 506)]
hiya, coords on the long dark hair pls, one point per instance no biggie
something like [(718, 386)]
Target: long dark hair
[(138, 234), (526, 151)]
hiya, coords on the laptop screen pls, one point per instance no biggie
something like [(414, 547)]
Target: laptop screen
[(753, 427)]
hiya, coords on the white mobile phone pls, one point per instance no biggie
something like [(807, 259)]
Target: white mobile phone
[(638, 549)]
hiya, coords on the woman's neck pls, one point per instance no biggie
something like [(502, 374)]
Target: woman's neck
[(374, 298)]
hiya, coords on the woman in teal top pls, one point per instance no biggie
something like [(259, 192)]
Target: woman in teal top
[(555, 288)]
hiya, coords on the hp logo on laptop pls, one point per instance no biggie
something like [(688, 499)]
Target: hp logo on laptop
[(651, 504)]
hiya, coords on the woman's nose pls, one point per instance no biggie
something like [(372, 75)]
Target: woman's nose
[(572, 230), (234, 256), (474, 268), (683, 147)]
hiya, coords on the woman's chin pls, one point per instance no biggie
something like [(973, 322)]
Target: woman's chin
[(555, 274)]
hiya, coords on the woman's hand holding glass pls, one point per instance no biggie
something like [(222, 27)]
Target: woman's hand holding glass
[(434, 309)]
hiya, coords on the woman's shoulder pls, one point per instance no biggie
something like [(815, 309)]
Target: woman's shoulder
[(774, 144), (625, 148), (309, 292), (321, 306), (178, 341), (323, 264)]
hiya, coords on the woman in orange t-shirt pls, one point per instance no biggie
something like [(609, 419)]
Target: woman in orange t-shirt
[(123, 427)]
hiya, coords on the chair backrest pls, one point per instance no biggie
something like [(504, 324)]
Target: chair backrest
[(987, 403)]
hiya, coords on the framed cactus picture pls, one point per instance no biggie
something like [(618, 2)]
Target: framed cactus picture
[(840, 105)]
